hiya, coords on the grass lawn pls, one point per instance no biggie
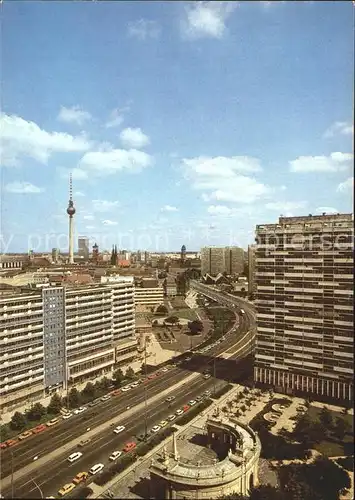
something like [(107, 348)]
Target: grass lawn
[(328, 447), (186, 314), (178, 302)]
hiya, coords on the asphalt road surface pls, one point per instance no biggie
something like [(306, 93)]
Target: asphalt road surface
[(40, 444), (55, 474)]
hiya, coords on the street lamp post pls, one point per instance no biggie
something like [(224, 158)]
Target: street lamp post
[(12, 474)]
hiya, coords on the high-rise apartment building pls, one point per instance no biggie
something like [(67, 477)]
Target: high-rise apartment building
[(57, 336), (251, 269), (304, 302), (83, 247), (215, 260)]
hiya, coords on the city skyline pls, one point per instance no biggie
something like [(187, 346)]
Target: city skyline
[(181, 123)]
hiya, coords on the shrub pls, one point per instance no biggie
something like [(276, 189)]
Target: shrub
[(222, 391), (82, 492)]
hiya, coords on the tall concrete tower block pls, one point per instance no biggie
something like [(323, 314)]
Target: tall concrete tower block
[(71, 211)]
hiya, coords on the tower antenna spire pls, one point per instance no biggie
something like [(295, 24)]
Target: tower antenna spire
[(71, 211), (70, 187)]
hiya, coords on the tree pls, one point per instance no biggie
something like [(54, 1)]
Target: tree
[(327, 478), (89, 392), (130, 373), (36, 412), (4, 433), (172, 320), (266, 492), (161, 310), (74, 398), (55, 404), (326, 418), (341, 428), (18, 421), (118, 376), (195, 326), (103, 384)]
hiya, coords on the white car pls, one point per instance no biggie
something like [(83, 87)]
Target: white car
[(67, 415), (80, 410), (119, 429), (126, 388), (165, 369), (74, 457), (192, 402), (96, 468), (115, 455), (179, 412), (156, 428), (135, 384), (106, 398), (171, 417)]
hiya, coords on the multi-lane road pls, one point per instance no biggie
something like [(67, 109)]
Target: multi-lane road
[(54, 473)]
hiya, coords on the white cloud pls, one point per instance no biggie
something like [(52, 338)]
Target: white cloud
[(89, 227), (143, 29), (267, 4), (114, 160), (21, 138), (116, 119), (219, 210), (108, 222), (134, 138), (23, 188), (73, 115), (206, 19), (335, 162), (88, 217), (104, 205), (169, 208), (285, 206), (327, 210), (347, 185), (77, 173), (339, 128), (78, 194), (222, 178)]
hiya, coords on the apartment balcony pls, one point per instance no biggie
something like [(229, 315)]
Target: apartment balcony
[(92, 357), (24, 389)]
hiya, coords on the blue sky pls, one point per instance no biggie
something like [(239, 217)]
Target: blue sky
[(183, 123)]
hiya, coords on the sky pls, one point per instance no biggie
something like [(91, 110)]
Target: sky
[(182, 123)]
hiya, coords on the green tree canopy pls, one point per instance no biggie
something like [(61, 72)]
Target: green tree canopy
[(89, 392), (118, 376), (55, 404), (36, 412), (195, 326), (18, 421), (172, 319), (74, 398), (130, 374)]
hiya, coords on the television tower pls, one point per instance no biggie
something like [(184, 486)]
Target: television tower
[(71, 211)]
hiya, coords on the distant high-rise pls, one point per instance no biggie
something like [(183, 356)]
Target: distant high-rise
[(304, 301), (83, 247), (95, 253), (71, 211), (215, 260), (251, 269), (183, 254)]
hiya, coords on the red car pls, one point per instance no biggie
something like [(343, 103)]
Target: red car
[(151, 376), (11, 442), (39, 428), (3, 446), (129, 446), (186, 408), (117, 392)]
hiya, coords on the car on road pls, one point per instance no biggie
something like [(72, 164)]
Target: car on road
[(117, 392), (115, 455), (106, 398), (171, 417), (135, 384), (95, 402), (95, 469), (192, 402), (156, 428), (79, 410), (169, 399), (207, 376), (129, 446), (80, 477), (25, 435), (3, 446), (207, 393), (142, 437), (163, 423), (185, 408), (84, 442), (39, 428), (179, 412), (199, 398), (74, 456), (126, 388), (119, 429), (54, 421), (67, 488), (67, 415)]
